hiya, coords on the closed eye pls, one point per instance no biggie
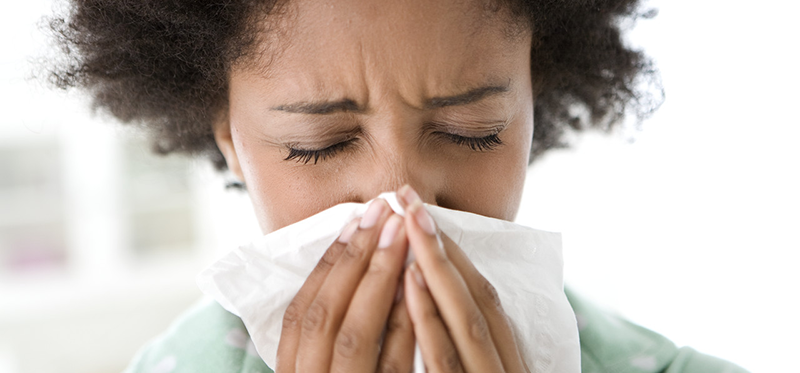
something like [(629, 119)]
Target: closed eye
[(307, 155), (479, 144)]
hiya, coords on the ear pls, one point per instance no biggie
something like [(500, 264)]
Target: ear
[(222, 135)]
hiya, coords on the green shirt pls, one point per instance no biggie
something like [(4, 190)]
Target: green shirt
[(610, 343), (210, 339)]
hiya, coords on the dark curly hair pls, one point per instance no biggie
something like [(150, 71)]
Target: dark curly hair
[(163, 64)]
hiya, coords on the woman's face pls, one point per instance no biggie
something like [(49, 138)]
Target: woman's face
[(353, 98)]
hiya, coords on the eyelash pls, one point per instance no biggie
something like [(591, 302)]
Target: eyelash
[(478, 144), (305, 156)]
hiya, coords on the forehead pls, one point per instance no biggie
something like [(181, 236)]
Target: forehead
[(410, 45)]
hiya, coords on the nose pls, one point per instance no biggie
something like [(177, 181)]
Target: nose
[(394, 167)]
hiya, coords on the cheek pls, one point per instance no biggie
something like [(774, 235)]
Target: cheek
[(491, 184), (281, 192)]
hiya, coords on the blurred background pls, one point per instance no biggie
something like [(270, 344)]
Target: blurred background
[(690, 230)]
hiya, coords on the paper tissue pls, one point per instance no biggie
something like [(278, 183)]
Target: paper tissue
[(258, 281)]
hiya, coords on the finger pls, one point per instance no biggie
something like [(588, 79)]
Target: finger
[(467, 325), (438, 351), (406, 194), (488, 301), (357, 345), (397, 351), (482, 291), (292, 318), (325, 313)]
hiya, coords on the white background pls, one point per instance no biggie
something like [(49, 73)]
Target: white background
[(691, 230), (694, 229)]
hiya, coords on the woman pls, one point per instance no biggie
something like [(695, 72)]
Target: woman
[(311, 104)]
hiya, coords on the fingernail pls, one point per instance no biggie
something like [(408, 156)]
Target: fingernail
[(418, 275), (424, 220), (389, 231), (409, 195), (348, 231), (373, 213)]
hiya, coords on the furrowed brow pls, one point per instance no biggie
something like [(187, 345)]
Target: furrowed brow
[(348, 105), (469, 97), (320, 108)]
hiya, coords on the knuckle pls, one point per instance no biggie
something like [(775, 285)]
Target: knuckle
[(355, 251), (478, 328), (316, 317), (293, 315), (349, 343), (397, 323), (328, 259), (450, 362), (490, 296)]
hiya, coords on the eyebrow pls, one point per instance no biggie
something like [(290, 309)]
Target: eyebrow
[(348, 105), (468, 97), (322, 107)]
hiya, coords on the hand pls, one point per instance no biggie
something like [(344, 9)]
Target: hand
[(456, 314), (336, 321)]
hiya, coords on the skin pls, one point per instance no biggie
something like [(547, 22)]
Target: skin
[(401, 84)]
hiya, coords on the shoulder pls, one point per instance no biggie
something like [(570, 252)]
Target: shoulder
[(206, 338), (610, 343)]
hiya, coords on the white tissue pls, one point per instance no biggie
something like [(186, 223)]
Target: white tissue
[(258, 281)]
